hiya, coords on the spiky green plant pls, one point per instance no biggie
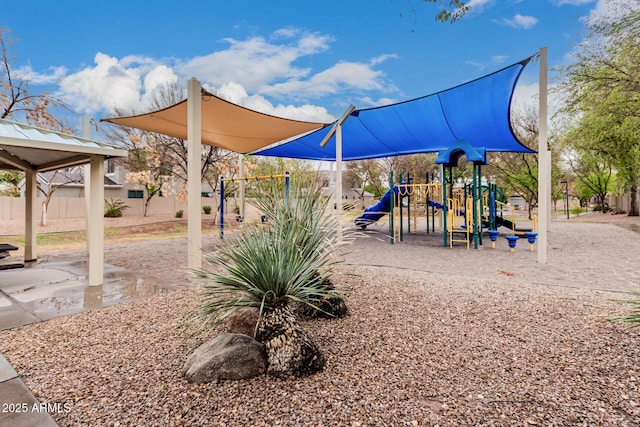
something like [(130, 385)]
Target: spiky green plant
[(114, 208), (634, 316), (270, 267)]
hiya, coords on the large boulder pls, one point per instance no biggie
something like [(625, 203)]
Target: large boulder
[(226, 357)]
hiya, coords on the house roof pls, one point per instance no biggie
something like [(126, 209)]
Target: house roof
[(71, 177), (24, 147)]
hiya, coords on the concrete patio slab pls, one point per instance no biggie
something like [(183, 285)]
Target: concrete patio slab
[(22, 409), (45, 290), (50, 289)]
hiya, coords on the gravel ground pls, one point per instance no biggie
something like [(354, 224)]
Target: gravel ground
[(427, 342)]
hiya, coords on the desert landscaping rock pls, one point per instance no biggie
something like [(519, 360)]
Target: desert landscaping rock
[(226, 357), (434, 336)]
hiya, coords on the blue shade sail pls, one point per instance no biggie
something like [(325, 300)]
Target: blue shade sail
[(477, 112)]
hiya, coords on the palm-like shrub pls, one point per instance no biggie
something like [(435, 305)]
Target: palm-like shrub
[(634, 316), (270, 267), (114, 208)]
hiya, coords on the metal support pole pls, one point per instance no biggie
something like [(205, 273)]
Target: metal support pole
[(242, 185), (287, 181), (221, 186), (400, 206), (391, 209), (445, 207), (408, 203)]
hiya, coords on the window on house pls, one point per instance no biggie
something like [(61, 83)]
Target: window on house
[(111, 166), (135, 194)]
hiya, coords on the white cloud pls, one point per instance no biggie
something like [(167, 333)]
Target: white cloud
[(340, 77), (237, 94), (526, 98), (369, 102), (28, 74), (103, 87), (610, 9), (521, 21), (573, 2), (158, 77), (254, 62), (478, 5), (257, 66), (495, 60)]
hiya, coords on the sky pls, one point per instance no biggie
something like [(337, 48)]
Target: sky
[(295, 59)]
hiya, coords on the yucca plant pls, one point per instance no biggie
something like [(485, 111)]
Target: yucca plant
[(634, 316), (114, 208), (308, 211), (269, 268)]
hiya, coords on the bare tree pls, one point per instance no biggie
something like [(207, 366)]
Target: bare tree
[(518, 172), (159, 162), (57, 179), (16, 101)]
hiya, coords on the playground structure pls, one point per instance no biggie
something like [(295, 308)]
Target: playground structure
[(239, 218), (461, 213)]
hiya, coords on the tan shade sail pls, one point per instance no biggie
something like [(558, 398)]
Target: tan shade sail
[(224, 124)]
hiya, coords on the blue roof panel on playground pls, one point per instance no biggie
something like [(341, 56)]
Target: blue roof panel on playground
[(477, 112)]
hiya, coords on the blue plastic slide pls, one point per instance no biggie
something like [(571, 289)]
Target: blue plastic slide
[(375, 212), (380, 209)]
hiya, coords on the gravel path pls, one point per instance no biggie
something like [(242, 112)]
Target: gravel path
[(434, 337)]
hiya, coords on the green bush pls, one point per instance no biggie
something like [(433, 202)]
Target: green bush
[(206, 209), (634, 316), (114, 208), (179, 213), (269, 268)]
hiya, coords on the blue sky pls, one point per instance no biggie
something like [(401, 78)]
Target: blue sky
[(305, 60)]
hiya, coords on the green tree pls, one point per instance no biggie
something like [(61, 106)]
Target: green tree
[(450, 10), (517, 173), (593, 173), (603, 95), (10, 182), (366, 175)]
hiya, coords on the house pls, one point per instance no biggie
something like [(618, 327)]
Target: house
[(70, 182), (351, 197)]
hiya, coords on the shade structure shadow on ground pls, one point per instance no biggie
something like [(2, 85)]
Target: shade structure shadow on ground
[(47, 289)]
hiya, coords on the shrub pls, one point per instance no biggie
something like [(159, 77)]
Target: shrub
[(206, 209), (634, 316), (114, 208), (179, 213), (269, 268)]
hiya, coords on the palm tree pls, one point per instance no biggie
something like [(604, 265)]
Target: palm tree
[(270, 268)]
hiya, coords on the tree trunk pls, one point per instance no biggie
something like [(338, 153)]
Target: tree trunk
[(43, 218), (290, 349), (146, 205), (633, 202)]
